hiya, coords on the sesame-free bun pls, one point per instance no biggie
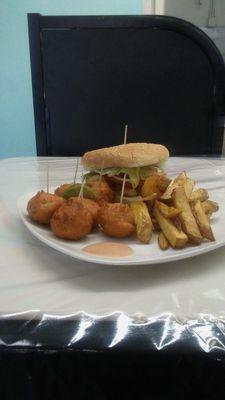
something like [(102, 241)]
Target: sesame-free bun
[(125, 155)]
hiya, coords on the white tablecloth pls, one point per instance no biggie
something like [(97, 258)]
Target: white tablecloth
[(36, 277)]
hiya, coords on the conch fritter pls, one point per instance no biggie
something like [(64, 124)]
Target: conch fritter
[(116, 220), (42, 206), (72, 221)]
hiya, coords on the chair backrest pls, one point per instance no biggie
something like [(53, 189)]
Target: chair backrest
[(92, 75)]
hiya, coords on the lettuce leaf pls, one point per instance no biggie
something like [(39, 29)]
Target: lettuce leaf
[(110, 171), (91, 176), (134, 174), (147, 171)]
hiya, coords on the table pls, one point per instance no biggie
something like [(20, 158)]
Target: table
[(51, 301)]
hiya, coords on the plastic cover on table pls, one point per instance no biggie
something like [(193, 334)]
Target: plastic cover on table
[(117, 330)]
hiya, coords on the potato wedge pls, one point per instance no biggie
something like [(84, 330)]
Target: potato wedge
[(176, 238), (177, 223), (155, 184), (199, 194), (189, 186), (202, 221), (168, 212), (163, 242), (167, 194), (156, 226), (181, 180), (210, 206), (143, 222), (188, 222)]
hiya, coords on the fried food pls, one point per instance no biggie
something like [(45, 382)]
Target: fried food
[(128, 191), (163, 242), (41, 207), (178, 213), (156, 183), (199, 194), (210, 206), (180, 180), (61, 189), (168, 212), (175, 237), (188, 187), (156, 226), (177, 223), (91, 206), (143, 222), (202, 221), (116, 220), (149, 200), (71, 221), (188, 222), (103, 192)]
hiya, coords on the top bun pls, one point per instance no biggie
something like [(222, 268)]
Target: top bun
[(125, 155)]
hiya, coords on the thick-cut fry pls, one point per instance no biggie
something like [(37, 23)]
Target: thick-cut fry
[(176, 238), (199, 194), (156, 226), (155, 184), (177, 223), (210, 206), (180, 180), (189, 186), (163, 242), (143, 221), (188, 222), (167, 194), (202, 221), (168, 212), (181, 177)]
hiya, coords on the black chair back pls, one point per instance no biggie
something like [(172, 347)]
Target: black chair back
[(92, 75)]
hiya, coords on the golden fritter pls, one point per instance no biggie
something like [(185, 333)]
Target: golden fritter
[(61, 189), (41, 207), (91, 206), (103, 191), (116, 220), (71, 221)]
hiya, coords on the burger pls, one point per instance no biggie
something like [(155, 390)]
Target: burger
[(137, 161)]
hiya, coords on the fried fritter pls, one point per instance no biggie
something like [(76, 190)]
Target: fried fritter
[(91, 206), (116, 220), (42, 206), (104, 194), (72, 221)]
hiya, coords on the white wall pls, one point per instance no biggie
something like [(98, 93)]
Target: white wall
[(195, 11)]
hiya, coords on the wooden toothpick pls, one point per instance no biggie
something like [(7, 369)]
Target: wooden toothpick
[(125, 134), (47, 177), (123, 187), (80, 196), (75, 175)]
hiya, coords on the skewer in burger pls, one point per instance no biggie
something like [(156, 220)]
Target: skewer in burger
[(138, 161)]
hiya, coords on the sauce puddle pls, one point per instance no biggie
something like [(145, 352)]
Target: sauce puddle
[(109, 249)]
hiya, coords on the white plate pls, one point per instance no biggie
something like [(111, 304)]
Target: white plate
[(206, 175)]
